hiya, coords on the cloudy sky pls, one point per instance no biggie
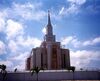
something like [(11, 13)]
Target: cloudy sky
[(76, 24)]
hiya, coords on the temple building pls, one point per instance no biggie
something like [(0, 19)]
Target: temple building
[(50, 55)]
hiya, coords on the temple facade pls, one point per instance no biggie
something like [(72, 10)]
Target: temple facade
[(50, 55)]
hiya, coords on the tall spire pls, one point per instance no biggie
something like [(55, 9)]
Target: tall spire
[(49, 26), (49, 21), (49, 31)]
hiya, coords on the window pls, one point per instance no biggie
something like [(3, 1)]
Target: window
[(41, 60)]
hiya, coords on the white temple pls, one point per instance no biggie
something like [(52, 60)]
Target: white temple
[(50, 55)]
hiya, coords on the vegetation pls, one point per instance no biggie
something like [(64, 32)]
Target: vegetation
[(15, 70), (81, 69), (71, 68), (3, 71), (0, 66), (36, 70)]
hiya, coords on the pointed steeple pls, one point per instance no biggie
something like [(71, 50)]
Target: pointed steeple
[(49, 26), (49, 21), (49, 31)]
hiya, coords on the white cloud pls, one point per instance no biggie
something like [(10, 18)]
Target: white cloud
[(20, 66), (78, 2), (20, 58), (12, 45), (44, 30), (12, 21), (3, 16), (13, 28), (74, 7), (67, 40), (2, 24), (28, 41), (29, 11), (74, 41), (39, 15), (16, 47), (61, 11), (84, 58), (17, 41), (86, 43), (6, 62), (71, 40), (2, 47), (92, 42), (96, 40)]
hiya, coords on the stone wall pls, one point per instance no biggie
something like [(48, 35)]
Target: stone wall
[(53, 76)]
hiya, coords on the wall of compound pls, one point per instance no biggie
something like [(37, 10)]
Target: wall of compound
[(58, 76)]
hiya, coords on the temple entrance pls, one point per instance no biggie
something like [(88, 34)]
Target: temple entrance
[(54, 64)]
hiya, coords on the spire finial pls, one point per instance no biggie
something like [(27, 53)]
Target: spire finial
[(48, 11), (49, 30), (49, 21)]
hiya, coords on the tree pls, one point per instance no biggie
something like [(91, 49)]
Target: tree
[(3, 71), (73, 70), (81, 69), (3, 67), (36, 70), (15, 70), (0, 66)]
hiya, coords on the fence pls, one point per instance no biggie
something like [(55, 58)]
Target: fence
[(52, 76)]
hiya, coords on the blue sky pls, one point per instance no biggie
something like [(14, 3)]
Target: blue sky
[(76, 24)]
